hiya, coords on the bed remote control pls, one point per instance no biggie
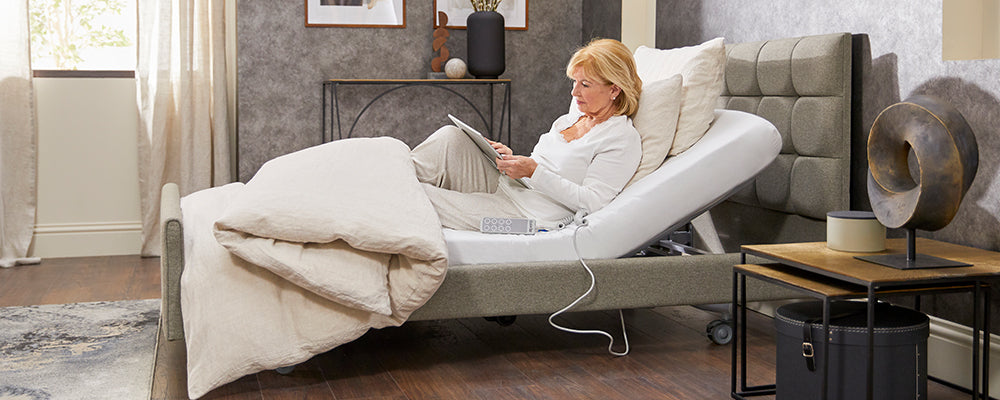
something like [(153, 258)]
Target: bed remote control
[(520, 226)]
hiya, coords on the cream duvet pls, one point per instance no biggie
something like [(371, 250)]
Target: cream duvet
[(317, 248)]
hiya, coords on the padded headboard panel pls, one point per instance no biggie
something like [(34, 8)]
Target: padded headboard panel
[(802, 86)]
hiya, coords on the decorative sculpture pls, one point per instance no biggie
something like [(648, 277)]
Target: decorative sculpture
[(455, 68), (440, 36), (947, 157)]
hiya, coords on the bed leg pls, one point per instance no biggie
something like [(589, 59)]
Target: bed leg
[(504, 320)]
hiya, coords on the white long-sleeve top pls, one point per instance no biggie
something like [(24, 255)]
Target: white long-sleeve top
[(580, 176)]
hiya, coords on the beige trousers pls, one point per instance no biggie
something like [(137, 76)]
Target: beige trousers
[(460, 182)]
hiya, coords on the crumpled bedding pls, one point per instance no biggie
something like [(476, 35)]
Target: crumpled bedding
[(320, 246)]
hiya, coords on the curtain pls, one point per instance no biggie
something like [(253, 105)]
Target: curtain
[(182, 99), (18, 144)]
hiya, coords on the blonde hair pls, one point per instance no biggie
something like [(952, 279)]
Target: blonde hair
[(610, 61)]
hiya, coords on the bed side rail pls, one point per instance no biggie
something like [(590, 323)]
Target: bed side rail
[(171, 261)]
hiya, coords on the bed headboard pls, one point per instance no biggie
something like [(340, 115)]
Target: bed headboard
[(802, 86)]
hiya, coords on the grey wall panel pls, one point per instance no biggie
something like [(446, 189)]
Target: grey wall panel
[(903, 58), (601, 19), (282, 65)]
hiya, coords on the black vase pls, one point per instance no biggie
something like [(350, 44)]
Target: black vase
[(486, 44)]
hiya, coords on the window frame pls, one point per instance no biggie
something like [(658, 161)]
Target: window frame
[(74, 73)]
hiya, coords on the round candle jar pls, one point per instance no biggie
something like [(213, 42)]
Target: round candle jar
[(854, 231)]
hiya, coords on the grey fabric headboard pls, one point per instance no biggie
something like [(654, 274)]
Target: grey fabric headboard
[(802, 86)]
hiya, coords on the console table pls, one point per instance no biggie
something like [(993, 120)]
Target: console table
[(331, 102), (826, 274)]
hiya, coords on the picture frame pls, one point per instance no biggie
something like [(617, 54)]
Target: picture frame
[(356, 13), (515, 13)]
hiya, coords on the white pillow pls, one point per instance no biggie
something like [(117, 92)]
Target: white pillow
[(702, 68), (656, 121)]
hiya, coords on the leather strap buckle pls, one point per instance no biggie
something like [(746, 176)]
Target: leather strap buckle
[(808, 353), (807, 350)]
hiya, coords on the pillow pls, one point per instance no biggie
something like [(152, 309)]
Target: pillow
[(656, 121), (702, 68)]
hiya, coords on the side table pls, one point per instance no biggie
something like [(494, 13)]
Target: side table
[(819, 272), (331, 102)]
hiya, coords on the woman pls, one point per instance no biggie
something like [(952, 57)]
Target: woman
[(576, 168)]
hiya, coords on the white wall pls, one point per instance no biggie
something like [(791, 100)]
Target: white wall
[(638, 23), (88, 187), (970, 29)]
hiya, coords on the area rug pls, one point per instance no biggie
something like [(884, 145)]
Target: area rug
[(101, 350)]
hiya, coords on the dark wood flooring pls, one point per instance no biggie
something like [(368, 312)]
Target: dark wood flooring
[(472, 358)]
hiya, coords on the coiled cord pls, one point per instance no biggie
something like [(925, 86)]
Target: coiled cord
[(593, 281)]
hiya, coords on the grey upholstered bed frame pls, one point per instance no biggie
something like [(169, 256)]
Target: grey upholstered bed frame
[(801, 85)]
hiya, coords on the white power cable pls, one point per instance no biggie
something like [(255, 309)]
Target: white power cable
[(582, 223)]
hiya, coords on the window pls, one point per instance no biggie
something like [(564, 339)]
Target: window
[(92, 35)]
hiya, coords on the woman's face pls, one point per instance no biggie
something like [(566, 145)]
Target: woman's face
[(592, 96)]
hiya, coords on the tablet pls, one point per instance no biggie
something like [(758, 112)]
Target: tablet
[(484, 146)]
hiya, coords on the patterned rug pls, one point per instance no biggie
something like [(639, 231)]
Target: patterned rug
[(102, 350)]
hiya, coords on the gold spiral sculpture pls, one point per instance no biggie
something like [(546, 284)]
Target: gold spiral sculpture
[(947, 158)]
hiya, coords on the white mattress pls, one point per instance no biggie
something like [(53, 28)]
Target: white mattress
[(736, 147)]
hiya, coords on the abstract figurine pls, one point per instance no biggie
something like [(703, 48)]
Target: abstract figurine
[(440, 36), (947, 158)]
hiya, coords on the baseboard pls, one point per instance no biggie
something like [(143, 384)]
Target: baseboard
[(949, 350), (87, 239)]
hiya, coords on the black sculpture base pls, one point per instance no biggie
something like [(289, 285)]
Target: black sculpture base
[(912, 260), (900, 261)]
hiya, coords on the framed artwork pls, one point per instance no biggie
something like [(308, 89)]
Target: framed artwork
[(356, 13), (515, 13)]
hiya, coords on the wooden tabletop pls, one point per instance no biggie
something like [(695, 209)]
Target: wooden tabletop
[(814, 283), (817, 258)]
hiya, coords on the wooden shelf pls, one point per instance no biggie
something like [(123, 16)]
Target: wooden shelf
[(814, 283), (785, 275)]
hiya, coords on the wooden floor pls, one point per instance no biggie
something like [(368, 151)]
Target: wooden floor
[(670, 356)]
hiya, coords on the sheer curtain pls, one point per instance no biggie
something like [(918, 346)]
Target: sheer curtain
[(18, 145), (182, 97)]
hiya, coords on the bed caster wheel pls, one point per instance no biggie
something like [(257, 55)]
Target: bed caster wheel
[(505, 320), (285, 370), (720, 332)]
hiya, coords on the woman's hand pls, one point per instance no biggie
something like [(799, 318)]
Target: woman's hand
[(517, 167), (501, 148)]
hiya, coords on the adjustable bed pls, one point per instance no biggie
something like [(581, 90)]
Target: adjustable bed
[(773, 162)]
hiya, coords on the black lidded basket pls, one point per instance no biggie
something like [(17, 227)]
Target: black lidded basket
[(900, 355)]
